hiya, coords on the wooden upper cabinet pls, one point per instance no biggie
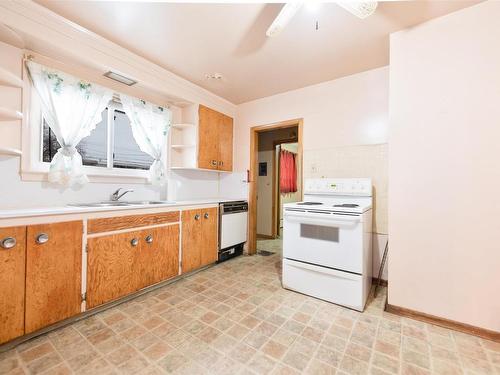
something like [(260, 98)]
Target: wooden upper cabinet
[(159, 255), (226, 143), (215, 140), (112, 267), (53, 273), (12, 279), (208, 138), (209, 235)]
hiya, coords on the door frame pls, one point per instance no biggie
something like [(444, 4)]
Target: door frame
[(253, 172)]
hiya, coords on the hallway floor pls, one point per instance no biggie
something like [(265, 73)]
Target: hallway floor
[(235, 318)]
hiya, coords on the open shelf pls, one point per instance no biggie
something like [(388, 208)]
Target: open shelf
[(10, 151), (199, 169), (183, 126), (7, 114), (9, 79)]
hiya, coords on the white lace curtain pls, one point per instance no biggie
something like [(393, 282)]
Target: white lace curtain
[(150, 125), (72, 108)]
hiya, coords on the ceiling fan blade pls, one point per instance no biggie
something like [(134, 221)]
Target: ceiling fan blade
[(284, 16), (361, 9)]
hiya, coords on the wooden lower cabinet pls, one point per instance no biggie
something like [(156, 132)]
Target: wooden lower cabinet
[(159, 255), (111, 267), (191, 240), (199, 238), (209, 236), (53, 273), (120, 264), (12, 282)]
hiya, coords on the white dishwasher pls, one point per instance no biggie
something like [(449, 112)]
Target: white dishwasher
[(233, 222)]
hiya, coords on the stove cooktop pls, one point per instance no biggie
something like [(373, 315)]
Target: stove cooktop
[(346, 205), (309, 203)]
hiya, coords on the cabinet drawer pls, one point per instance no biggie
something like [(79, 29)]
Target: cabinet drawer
[(135, 221)]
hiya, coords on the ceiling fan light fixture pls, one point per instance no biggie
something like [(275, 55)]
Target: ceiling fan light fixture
[(285, 15), (360, 9)]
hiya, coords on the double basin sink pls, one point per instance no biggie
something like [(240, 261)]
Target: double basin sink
[(119, 203)]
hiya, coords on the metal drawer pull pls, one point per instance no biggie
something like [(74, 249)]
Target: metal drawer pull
[(197, 217), (8, 243), (42, 238), (206, 215), (134, 242), (149, 239)]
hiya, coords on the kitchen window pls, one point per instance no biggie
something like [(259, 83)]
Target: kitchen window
[(110, 145)]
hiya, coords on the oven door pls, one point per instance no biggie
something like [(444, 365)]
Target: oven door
[(325, 239)]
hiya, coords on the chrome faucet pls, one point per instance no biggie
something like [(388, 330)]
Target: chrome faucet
[(116, 195)]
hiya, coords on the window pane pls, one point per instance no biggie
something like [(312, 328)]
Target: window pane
[(50, 144), (92, 148), (127, 153)]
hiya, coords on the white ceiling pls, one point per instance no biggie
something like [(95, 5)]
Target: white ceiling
[(194, 39)]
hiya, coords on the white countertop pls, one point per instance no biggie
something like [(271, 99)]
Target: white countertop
[(63, 210)]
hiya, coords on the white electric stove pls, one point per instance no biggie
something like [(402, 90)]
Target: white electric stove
[(327, 241)]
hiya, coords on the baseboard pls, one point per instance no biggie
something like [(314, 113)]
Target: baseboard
[(442, 322), (382, 282)]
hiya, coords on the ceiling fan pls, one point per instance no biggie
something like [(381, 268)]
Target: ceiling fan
[(361, 9)]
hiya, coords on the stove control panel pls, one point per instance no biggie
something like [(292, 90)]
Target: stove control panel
[(339, 186)]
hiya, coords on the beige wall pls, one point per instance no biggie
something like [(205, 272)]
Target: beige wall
[(444, 167), (345, 131)]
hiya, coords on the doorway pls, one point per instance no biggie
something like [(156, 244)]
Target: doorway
[(267, 143)]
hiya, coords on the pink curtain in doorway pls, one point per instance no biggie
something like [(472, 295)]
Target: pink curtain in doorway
[(288, 172)]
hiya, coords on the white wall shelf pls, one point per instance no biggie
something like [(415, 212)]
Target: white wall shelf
[(183, 126), (10, 151), (7, 114), (9, 79), (184, 140), (199, 169)]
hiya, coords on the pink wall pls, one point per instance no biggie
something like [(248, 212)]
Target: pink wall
[(444, 167)]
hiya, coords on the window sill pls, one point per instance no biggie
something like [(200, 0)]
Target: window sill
[(140, 177)]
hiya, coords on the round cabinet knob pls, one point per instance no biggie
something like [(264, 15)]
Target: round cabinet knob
[(42, 238), (134, 242), (197, 217), (8, 243), (206, 215), (214, 163), (149, 239)]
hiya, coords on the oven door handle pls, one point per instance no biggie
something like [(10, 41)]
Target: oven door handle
[(322, 219), (325, 270)]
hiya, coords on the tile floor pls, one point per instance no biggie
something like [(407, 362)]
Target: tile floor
[(235, 318)]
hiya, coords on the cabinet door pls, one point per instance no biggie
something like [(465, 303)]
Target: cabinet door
[(53, 273), (208, 138), (12, 279), (226, 143), (191, 240), (159, 254), (112, 265), (209, 244)]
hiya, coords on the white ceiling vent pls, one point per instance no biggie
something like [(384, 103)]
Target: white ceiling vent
[(119, 78)]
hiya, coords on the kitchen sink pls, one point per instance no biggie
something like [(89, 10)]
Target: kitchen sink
[(119, 203)]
